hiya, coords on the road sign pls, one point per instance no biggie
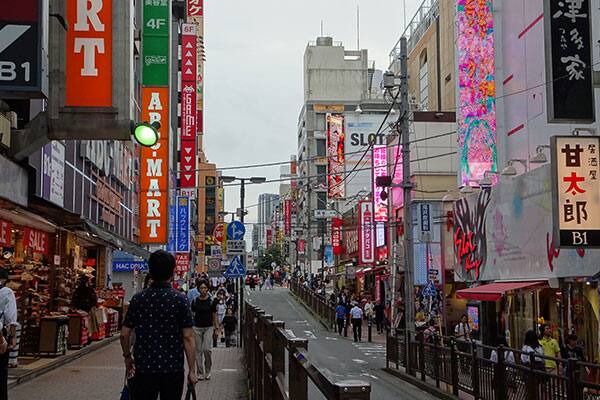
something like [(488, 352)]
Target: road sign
[(214, 264), (219, 232), (236, 268), (236, 247), (429, 290), (236, 230), (324, 214), (215, 250)]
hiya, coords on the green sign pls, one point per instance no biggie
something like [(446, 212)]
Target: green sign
[(155, 43)]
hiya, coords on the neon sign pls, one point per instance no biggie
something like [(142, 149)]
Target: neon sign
[(465, 251)]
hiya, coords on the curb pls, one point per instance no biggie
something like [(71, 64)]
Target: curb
[(314, 314), (440, 394), (60, 361)]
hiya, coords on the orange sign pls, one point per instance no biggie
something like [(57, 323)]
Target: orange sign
[(89, 53), (154, 169)]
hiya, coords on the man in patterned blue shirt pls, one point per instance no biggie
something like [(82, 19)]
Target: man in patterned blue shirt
[(162, 320)]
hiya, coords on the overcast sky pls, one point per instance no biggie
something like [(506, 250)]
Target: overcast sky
[(253, 74)]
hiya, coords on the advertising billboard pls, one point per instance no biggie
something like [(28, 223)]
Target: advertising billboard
[(195, 8), (154, 169), (379, 169), (335, 156), (366, 236), (89, 54), (476, 115), (187, 162), (183, 224)]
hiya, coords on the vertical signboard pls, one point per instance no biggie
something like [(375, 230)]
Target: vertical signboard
[(476, 115), (155, 42), (336, 235), (183, 224), (269, 237), (89, 53), (154, 169), (195, 8), (187, 162), (366, 242), (576, 189), (335, 155), (287, 217), (171, 244), (379, 169), (5, 234), (569, 61)]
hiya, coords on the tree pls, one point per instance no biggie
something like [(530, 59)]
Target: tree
[(271, 255)]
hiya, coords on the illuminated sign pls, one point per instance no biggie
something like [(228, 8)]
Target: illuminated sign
[(195, 8), (187, 161), (154, 168), (336, 235), (576, 188), (5, 233), (476, 90), (89, 53), (155, 43), (379, 169), (335, 155)]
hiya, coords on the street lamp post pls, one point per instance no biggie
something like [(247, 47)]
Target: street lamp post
[(256, 180)]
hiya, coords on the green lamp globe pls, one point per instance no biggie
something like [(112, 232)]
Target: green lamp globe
[(146, 134)]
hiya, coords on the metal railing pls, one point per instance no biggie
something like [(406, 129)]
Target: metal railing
[(316, 302), (465, 367), (270, 351)]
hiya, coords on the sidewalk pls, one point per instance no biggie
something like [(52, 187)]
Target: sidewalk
[(30, 368), (228, 379)]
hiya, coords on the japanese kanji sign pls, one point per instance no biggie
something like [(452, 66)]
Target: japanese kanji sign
[(568, 61), (576, 189)]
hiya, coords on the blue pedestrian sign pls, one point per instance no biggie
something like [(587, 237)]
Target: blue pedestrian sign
[(236, 268), (235, 230), (429, 290)]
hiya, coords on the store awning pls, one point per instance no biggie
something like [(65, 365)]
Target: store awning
[(115, 240), (495, 291)]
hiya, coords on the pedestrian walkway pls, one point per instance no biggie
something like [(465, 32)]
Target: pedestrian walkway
[(99, 375)]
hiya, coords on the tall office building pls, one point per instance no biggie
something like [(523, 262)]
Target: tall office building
[(267, 202)]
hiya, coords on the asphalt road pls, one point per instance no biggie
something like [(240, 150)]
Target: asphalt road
[(338, 357)]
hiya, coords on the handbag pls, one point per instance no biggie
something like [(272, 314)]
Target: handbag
[(191, 392), (125, 395)]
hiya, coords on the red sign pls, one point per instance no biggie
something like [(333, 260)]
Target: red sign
[(287, 217), (199, 122), (182, 263), (195, 8), (35, 240), (5, 233), (187, 163), (300, 246), (336, 235), (89, 53), (269, 237), (366, 242), (219, 232), (378, 288), (188, 52)]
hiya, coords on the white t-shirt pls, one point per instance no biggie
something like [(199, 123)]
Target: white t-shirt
[(509, 357), (462, 330), (527, 350), (356, 312), (369, 309), (8, 308)]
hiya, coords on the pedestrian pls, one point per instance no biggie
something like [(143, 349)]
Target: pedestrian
[(221, 309), (206, 325), (357, 316), (8, 325), (340, 313), (531, 349), (369, 310), (162, 321), (551, 348), (430, 333), (230, 326), (462, 333), (252, 283), (193, 292), (509, 357), (379, 316)]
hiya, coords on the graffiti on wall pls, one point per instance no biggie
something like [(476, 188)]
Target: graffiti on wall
[(470, 239)]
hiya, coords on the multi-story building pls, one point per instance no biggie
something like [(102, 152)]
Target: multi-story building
[(267, 204), (338, 83)]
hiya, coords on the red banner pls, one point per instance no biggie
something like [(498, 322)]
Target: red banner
[(336, 236), (366, 239), (35, 240), (5, 233), (269, 237), (187, 162), (300, 246), (199, 123), (287, 217), (195, 8)]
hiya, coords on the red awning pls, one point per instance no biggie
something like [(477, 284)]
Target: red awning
[(495, 291)]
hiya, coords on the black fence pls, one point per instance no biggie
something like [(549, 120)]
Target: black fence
[(279, 365), (466, 368), (317, 303)]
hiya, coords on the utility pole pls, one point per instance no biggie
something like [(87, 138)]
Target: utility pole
[(242, 279), (409, 308), (323, 230)]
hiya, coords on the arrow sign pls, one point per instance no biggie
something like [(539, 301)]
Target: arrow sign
[(236, 230)]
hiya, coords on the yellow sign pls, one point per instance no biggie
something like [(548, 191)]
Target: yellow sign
[(337, 108)]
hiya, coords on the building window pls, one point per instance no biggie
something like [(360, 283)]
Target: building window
[(321, 121), (423, 83), (321, 147), (322, 176), (321, 200)]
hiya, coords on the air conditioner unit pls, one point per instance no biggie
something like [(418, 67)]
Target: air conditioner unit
[(5, 125)]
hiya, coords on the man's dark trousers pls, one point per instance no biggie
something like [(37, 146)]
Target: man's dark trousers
[(357, 328), (149, 386), (340, 325)]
